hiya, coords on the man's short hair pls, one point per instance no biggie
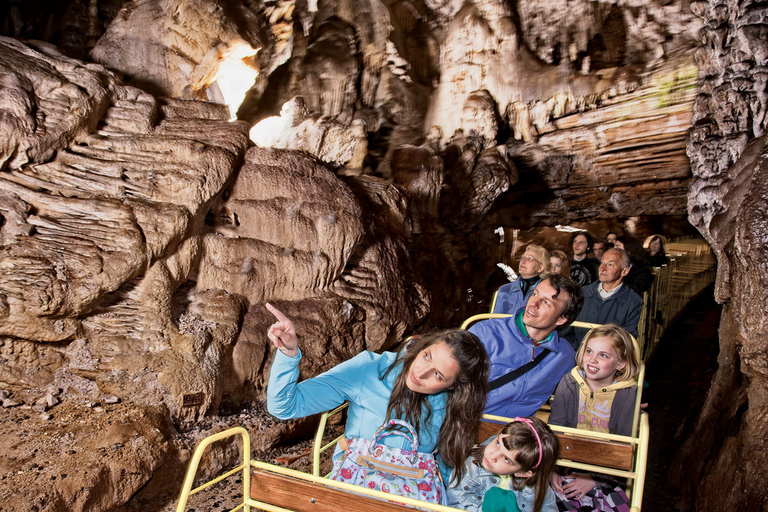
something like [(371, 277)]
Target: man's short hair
[(575, 300), (626, 261), (586, 235)]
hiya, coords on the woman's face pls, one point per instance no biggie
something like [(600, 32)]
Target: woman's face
[(655, 246), (434, 370), (612, 239), (529, 267), (555, 265)]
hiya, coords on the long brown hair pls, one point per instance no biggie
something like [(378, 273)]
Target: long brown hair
[(517, 436), (466, 396)]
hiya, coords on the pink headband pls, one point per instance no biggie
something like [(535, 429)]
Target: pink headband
[(528, 422)]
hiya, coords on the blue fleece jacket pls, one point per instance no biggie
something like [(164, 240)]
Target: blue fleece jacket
[(509, 347), (358, 381)]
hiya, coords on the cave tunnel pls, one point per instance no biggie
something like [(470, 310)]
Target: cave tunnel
[(375, 169)]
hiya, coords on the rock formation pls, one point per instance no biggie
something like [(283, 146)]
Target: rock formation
[(726, 202)]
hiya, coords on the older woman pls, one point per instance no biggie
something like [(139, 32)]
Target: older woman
[(534, 266)]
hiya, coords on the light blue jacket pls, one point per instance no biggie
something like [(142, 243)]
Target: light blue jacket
[(358, 381), (509, 347), (510, 297), (469, 493)]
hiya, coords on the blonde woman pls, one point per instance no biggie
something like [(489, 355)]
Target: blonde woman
[(533, 268)]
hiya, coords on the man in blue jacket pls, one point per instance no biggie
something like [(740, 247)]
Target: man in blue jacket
[(609, 301), (521, 339)]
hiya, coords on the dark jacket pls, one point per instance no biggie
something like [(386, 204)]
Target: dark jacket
[(584, 272), (622, 308), (640, 278)]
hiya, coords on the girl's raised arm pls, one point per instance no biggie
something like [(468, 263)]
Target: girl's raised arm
[(282, 333)]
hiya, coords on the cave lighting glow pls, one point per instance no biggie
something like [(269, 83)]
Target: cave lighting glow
[(236, 75)]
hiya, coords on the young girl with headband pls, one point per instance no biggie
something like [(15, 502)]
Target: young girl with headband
[(510, 470)]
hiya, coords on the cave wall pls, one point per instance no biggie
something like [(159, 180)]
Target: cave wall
[(726, 202)]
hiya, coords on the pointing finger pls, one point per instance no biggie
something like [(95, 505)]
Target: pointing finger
[(276, 312)]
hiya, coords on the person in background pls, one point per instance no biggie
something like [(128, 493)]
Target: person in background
[(599, 247), (611, 237), (534, 267), (657, 253), (561, 264), (640, 276), (583, 268)]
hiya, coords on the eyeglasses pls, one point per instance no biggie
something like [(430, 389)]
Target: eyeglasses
[(526, 258)]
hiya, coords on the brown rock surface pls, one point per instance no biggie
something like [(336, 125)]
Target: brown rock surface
[(727, 203)]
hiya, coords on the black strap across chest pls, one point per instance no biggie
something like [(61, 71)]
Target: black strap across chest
[(510, 376)]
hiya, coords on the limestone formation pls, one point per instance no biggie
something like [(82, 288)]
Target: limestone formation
[(726, 202), (197, 49)]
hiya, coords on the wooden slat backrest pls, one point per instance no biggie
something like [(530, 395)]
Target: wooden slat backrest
[(300, 495), (611, 454)]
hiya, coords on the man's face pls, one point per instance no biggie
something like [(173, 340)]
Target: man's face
[(599, 249), (611, 272), (580, 245), (544, 310)]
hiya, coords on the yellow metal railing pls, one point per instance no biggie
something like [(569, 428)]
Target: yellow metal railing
[(245, 467), (635, 477), (692, 267)]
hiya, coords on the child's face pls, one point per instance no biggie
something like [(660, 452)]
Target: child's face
[(497, 459), (600, 362)]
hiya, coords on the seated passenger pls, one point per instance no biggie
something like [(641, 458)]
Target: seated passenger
[(609, 301), (437, 376), (597, 395), (509, 471), (560, 263), (640, 276), (657, 253), (527, 343), (583, 268), (599, 247), (534, 266)]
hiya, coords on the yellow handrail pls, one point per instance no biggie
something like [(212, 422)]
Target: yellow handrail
[(186, 489)]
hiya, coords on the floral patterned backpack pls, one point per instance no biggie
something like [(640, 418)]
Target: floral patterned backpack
[(368, 463)]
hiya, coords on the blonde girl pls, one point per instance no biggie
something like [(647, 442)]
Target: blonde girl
[(598, 395), (510, 469), (561, 263)]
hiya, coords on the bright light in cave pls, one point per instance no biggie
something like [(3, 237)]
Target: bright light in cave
[(236, 74)]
